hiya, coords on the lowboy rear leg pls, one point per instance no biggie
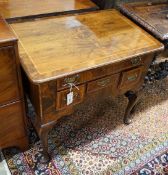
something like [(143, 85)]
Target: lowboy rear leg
[(132, 101)]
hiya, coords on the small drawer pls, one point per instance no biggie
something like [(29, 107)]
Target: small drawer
[(78, 95), (63, 83), (130, 78), (103, 82)]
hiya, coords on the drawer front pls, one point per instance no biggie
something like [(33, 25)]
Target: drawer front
[(78, 95), (116, 67), (130, 78), (103, 71), (8, 76), (12, 123), (103, 83), (75, 79)]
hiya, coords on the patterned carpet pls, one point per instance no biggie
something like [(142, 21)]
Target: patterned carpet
[(95, 141)]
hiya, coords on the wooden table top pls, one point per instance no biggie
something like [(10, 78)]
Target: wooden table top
[(152, 16), (55, 47), (22, 8), (5, 33)]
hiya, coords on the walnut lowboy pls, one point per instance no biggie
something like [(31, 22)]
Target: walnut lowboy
[(66, 59)]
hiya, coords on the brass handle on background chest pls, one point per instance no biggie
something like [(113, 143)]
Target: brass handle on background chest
[(74, 79), (103, 83), (136, 61), (132, 77)]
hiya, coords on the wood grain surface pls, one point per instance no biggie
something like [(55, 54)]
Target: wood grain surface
[(6, 34), (56, 47), (12, 124), (151, 15), (21, 8), (9, 89), (13, 131)]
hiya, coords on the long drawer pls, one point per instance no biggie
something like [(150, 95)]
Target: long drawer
[(103, 71), (9, 90)]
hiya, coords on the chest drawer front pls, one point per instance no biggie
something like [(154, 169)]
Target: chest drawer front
[(12, 123), (130, 78), (103, 71), (78, 95), (63, 83), (116, 67), (8, 76), (103, 83)]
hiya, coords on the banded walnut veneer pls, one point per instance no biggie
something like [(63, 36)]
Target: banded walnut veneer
[(12, 112), (94, 51)]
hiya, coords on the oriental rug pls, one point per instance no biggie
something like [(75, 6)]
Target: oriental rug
[(94, 140)]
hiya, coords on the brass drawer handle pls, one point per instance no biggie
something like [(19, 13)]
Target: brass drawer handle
[(103, 83), (132, 78), (136, 61), (74, 79)]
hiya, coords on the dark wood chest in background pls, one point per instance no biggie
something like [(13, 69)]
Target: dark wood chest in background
[(12, 113), (153, 16)]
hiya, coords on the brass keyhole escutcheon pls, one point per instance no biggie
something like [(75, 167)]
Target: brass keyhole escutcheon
[(136, 61), (73, 79)]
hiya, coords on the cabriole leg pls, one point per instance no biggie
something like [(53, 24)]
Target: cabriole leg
[(132, 100), (44, 141)]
